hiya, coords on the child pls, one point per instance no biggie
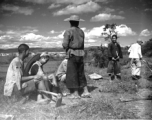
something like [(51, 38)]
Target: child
[(35, 67)]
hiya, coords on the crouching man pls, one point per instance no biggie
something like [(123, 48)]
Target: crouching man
[(15, 81), (61, 76)]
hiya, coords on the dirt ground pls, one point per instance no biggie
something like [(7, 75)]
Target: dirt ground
[(119, 99)]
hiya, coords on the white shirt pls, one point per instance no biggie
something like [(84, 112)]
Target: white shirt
[(135, 51), (62, 68), (14, 75)]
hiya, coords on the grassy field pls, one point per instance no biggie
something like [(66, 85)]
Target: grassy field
[(105, 102)]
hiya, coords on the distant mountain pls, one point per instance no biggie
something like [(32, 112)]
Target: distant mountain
[(33, 50), (38, 49)]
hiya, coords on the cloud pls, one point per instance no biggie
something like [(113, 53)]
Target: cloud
[(17, 9), (33, 37), (95, 32), (108, 10), (52, 6), (121, 12), (79, 9), (39, 1), (148, 10), (55, 32), (103, 1), (124, 30), (76, 2), (105, 17), (145, 33)]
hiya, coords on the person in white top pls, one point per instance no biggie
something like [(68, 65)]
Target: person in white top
[(135, 55), (15, 81)]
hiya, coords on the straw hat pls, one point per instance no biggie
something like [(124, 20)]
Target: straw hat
[(74, 18)]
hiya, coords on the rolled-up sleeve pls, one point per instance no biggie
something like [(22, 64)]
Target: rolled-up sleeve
[(66, 40), (139, 52), (109, 51), (18, 73)]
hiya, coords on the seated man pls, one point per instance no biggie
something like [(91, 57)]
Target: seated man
[(47, 80), (61, 76), (15, 81)]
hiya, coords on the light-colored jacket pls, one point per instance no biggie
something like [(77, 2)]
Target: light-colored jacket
[(135, 51), (14, 75), (62, 69), (73, 41)]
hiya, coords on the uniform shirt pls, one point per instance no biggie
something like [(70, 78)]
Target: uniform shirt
[(74, 41), (14, 75), (135, 51), (62, 68)]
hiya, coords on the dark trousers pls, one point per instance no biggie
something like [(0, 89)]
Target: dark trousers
[(113, 68), (75, 77)]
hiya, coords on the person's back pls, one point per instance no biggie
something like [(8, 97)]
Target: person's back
[(135, 51), (76, 38), (62, 69), (13, 76)]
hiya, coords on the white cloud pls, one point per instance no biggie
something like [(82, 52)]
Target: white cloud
[(103, 1), (1, 32), (18, 10), (52, 6), (121, 12), (124, 30), (145, 33), (59, 36), (55, 32), (78, 9), (59, 1), (95, 32), (105, 17), (33, 37), (108, 10), (148, 10), (72, 1), (39, 1)]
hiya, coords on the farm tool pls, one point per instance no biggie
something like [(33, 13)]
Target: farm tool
[(57, 95), (148, 67)]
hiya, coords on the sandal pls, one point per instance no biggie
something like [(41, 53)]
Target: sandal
[(65, 94), (74, 97), (86, 95)]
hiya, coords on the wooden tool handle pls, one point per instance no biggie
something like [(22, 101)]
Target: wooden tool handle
[(52, 93)]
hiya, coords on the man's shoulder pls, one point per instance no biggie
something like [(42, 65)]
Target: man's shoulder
[(15, 60), (110, 43)]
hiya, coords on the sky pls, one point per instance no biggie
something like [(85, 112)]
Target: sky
[(40, 23)]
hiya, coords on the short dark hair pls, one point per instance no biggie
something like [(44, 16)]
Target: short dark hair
[(74, 23), (22, 48), (114, 36)]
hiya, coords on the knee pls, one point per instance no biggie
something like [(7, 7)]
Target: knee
[(41, 85)]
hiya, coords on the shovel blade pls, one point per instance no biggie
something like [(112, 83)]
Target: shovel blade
[(58, 102)]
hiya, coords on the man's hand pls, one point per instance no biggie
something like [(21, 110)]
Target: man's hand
[(113, 58), (37, 77)]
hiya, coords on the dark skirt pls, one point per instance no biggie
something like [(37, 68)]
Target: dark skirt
[(75, 77), (113, 68)]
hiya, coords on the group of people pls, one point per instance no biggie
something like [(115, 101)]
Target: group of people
[(32, 77), (115, 54), (70, 71)]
